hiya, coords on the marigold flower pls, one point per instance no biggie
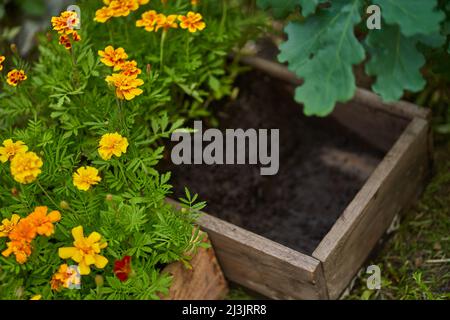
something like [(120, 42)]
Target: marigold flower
[(104, 14), (25, 230), (15, 77), (85, 250), (195, 3), (65, 277), (122, 8), (192, 21), (85, 177), (129, 68), (112, 144), (113, 57), (66, 22), (36, 297), (8, 225), (64, 40), (148, 20), (166, 22), (25, 167), (122, 268), (126, 86), (11, 148), (44, 222), (2, 58), (21, 249)]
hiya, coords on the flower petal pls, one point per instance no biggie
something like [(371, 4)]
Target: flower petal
[(100, 261), (68, 252), (77, 233), (84, 269)]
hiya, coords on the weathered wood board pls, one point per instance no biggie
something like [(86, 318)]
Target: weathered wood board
[(204, 281)]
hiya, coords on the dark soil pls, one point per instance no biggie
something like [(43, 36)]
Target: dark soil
[(322, 167)]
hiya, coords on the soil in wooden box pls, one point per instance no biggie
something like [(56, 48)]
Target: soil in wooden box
[(322, 167)]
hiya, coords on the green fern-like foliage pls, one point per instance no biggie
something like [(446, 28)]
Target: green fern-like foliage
[(322, 47)]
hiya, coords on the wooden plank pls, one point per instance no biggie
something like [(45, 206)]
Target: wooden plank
[(263, 265), (205, 281), (395, 183)]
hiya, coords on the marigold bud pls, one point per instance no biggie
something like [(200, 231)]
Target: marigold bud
[(99, 280), (149, 68), (109, 197), (13, 47), (64, 205), (14, 192)]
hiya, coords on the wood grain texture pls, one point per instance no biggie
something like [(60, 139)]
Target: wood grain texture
[(205, 281), (396, 182), (263, 265)]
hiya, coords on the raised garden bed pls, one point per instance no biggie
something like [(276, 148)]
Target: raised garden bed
[(304, 233)]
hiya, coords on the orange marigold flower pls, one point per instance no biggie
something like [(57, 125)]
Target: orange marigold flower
[(104, 14), (65, 277), (66, 22), (126, 86), (15, 77), (129, 68), (8, 225), (25, 167), (113, 57), (148, 20), (25, 230), (166, 22), (86, 250), (43, 222), (85, 178), (192, 21), (112, 144), (21, 249), (195, 3), (10, 149), (2, 59)]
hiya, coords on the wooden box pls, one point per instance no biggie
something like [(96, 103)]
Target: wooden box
[(279, 272)]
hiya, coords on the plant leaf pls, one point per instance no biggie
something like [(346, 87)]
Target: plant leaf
[(395, 61), (322, 51), (281, 8), (413, 16)]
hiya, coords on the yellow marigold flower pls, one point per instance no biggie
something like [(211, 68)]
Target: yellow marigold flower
[(2, 58), (85, 177), (192, 21), (21, 250), (148, 20), (66, 22), (15, 77), (10, 149), (166, 22), (104, 14), (64, 277), (43, 222), (112, 144), (142, 2), (126, 86), (8, 225), (36, 297), (122, 8), (129, 68), (113, 57), (85, 250), (25, 167)]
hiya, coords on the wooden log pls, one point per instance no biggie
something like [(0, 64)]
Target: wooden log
[(205, 281)]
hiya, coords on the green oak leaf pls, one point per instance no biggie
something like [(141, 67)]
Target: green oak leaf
[(413, 16), (281, 8), (322, 51), (395, 61)]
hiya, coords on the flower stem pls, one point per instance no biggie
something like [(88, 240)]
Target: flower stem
[(224, 16), (47, 195), (161, 53)]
